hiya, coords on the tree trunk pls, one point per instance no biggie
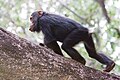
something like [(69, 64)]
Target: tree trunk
[(23, 60)]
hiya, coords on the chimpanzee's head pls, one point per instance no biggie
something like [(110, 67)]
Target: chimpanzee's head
[(35, 21)]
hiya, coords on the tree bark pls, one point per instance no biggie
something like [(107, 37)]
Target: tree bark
[(22, 60)]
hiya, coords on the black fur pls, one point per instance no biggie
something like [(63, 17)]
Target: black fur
[(69, 32)]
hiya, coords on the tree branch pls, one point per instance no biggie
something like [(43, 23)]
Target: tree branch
[(23, 60), (71, 10), (102, 5)]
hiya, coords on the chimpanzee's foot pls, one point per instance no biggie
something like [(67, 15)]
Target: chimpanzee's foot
[(109, 67), (82, 62)]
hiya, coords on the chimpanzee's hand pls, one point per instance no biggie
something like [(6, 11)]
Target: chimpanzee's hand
[(41, 44)]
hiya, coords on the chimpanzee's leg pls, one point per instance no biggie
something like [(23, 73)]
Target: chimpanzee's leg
[(55, 47), (72, 39), (74, 54), (89, 45)]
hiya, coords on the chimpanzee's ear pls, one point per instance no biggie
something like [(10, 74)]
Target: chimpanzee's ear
[(40, 12)]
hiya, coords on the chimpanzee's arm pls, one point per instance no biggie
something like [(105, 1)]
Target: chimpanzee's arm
[(55, 47), (49, 38)]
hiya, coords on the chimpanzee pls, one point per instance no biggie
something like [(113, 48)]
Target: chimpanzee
[(69, 32)]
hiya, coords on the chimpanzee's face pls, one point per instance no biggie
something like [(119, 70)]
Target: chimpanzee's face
[(34, 21)]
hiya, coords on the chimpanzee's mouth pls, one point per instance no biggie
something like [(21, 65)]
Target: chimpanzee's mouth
[(32, 25), (31, 30)]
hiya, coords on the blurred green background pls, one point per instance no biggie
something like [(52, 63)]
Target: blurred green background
[(14, 17)]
